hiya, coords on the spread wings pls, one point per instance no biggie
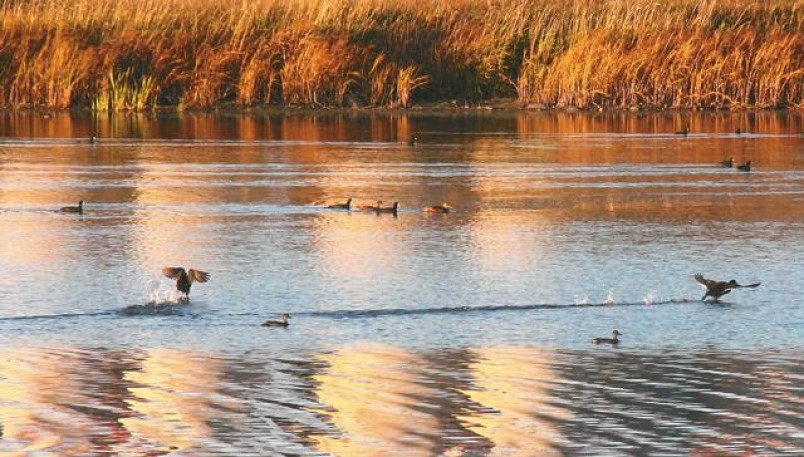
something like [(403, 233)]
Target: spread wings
[(198, 275), (706, 282), (193, 275)]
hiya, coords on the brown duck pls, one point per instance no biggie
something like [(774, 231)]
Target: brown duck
[(185, 278), (443, 208), (717, 289), (745, 167), (282, 322), (388, 209)]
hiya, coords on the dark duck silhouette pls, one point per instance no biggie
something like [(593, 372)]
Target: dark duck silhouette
[(282, 322), (745, 167), (717, 289), (185, 278), (388, 209), (443, 208), (347, 206), (413, 141), (73, 209), (612, 340), (370, 207), (685, 131), (729, 163)]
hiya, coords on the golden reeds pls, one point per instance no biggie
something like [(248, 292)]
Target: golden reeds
[(112, 55)]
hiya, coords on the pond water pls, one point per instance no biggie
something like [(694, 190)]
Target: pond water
[(467, 333)]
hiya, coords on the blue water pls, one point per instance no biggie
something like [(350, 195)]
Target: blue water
[(564, 227)]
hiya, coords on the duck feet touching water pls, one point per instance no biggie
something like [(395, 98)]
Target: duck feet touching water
[(185, 278), (282, 322), (612, 340), (717, 289), (74, 209), (347, 206)]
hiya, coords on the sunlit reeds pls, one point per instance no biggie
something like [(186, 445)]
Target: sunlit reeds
[(112, 55)]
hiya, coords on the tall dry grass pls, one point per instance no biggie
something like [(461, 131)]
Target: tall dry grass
[(112, 55)]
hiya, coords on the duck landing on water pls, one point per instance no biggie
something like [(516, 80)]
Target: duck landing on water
[(612, 340), (717, 289), (347, 206), (282, 322), (185, 278), (74, 209)]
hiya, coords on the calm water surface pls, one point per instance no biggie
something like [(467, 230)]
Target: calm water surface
[(463, 334)]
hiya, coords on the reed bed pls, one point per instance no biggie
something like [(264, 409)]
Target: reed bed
[(116, 56)]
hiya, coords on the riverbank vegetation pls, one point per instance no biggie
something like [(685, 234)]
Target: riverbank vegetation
[(112, 55)]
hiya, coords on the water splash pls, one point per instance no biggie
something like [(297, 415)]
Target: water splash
[(609, 299), (649, 299), (158, 294), (581, 300)]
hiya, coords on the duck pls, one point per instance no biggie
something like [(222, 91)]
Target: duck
[(282, 322), (717, 289), (73, 209), (613, 340), (729, 163), (745, 167), (185, 278), (443, 208), (413, 141), (388, 209), (370, 208), (685, 131), (738, 131), (347, 206)]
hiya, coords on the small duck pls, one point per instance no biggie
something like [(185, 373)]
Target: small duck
[(738, 131), (745, 167), (413, 141), (685, 131), (388, 209), (185, 278), (73, 209), (443, 208), (729, 163), (347, 206), (613, 340), (282, 322), (92, 139), (717, 289), (370, 208)]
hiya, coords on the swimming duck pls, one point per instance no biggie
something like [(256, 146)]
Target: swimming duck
[(346, 206), (73, 209), (282, 322), (414, 140), (369, 207), (745, 167), (728, 163), (717, 289), (685, 131), (388, 209), (738, 131), (612, 340), (185, 279), (438, 209)]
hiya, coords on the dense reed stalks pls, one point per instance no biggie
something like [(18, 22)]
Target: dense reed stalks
[(112, 55)]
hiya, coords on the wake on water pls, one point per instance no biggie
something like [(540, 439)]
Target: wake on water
[(161, 300)]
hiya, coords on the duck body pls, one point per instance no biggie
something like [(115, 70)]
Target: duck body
[(729, 163), (443, 208), (73, 209), (347, 206), (685, 131), (613, 340), (370, 207), (185, 278), (717, 289), (745, 167), (388, 209), (282, 322)]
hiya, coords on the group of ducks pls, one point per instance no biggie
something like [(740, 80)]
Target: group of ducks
[(714, 289), (380, 207), (726, 163)]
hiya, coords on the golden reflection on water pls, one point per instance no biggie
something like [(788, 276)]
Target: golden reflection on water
[(370, 392), (514, 382)]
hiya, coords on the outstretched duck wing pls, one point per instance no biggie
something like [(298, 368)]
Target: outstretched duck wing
[(756, 284), (706, 282), (198, 275), (173, 272)]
